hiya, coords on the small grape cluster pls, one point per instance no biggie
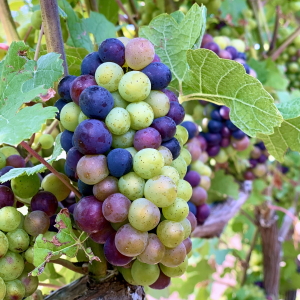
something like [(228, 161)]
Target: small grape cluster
[(125, 150)]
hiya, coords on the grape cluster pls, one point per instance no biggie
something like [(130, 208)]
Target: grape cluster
[(125, 150)]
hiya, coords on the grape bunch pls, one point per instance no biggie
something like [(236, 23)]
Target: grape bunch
[(125, 150)]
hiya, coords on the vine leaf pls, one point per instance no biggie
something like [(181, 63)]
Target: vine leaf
[(233, 10), (222, 187), (288, 134), (64, 242), (16, 172), (15, 71), (225, 82), (173, 36)]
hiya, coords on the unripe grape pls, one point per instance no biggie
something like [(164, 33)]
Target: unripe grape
[(18, 240), (11, 266), (10, 218), (15, 290)]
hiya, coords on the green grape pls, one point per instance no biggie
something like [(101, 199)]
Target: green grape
[(221, 157), (184, 190), (11, 266), (134, 86), (30, 283), (118, 225), (174, 256), (171, 173), (144, 274), (2, 289), (293, 67), (29, 255), (170, 233), (2, 160), (126, 272), (52, 184), (132, 186), (119, 101), (161, 190), (167, 155), (36, 19), (148, 163), (18, 240), (177, 211), (82, 117), (132, 151), (154, 252), (69, 116), (25, 186), (186, 224), (141, 115), (8, 151), (198, 113), (118, 121), (3, 244), (46, 141), (37, 295), (15, 290), (159, 103), (201, 168), (180, 165), (59, 165), (181, 134), (186, 156), (10, 218), (123, 141), (175, 271), (205, 182), (108, 75), (143, 214), (238, 44)]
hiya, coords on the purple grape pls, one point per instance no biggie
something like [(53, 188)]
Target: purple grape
[(119, 162), (215, 115), (85, 189), (238, 134), (253, 162), (72, 159), (212, 46), (162, 282), (174, 146), (90, 64), (203, 212), (214, 126), (225, 143), (188, 245), (202, 141), (225, 132), (191, 128), (59, 104), (262, 159), (147, 138), (261, 146), (213, 139), (247, 68), (88, 215), (4, 171), (176, 112), (225, 54), (248, 175), (232, 50), (159, 74), (96, 102), (71, 208), (16, 161), (165, 126), (207, 38), (192, 207), (242, 55), (156, 58), (193, 178), (199, 196), (44, 201), (66, 140), (64, 87), (170, 95), (112, 255), (79, 84), (70, 173), (92, 137), (112, 50), (224, 112), (52, 223), (101, 237), (231, 126), (213, 151), (6, 196), (192, 218)]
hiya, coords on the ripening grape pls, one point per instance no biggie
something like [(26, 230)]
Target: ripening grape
[(188, 245), (165, 126), (36, 222), (124, 140), (162, 282), (2, 160), (79, 84), (126, 272), (175, 271), (11, 266), (105, 188), (15, 290), (44, 201), (184, 190), (144, 274), (16, 161), (6, 196), (10, 218), (18, 240), (171, 172), (186, 224), (132, 186), (167, 155), (177, 211), (159, 102), (30, 283), (186, 156), (174, 256), (170, 233), (180, 165)]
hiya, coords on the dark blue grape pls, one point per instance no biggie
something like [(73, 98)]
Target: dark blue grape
[(4, 171), (59, 104), (72, 158), (188, 168), (253, 162), (215, 115), (52, 223), (70, 173), (96, 102), (85, 189), (238, 134), (159, 74), (213, 151), (174, 146), (66, 140), (247, 68), (176, 112), (112, 50), (284, 169), (231, 126), (242, 55), (119, 162), (232, 50), (92, 137), (191, 128), (71, 208), (213, 139), (64, 87), (192, 207), (261, 146), (262, 159), (214, 126), (212, 46), (90, 63), (165, 126)]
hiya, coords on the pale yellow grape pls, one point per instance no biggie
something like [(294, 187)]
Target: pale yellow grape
[(132, 186), (10, 218), (174, 256), (82, 117), (124, 140), (148, 163), (186, 224), (186, 156), (175, 271), (144, 274), (46, 141), (69, 116), (170, 233), (108, 75), (2, 289), (8, 151), (3, 244), (159, 102), (167, 154), (118, 121), (118, 100), (184, 190), (134, 86), (124, 40), (180, 165), (161, 190), (181, 134), (177, 211), (141, 115), (171, 172), (205, 182)]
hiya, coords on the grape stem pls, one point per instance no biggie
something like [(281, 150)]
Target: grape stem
[(55, 172), (130, 18), (275, 32), (51, 286), (27, 33), (69, 265)]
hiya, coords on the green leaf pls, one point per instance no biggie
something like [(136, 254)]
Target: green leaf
[(233, 8), (78, 33), (100, 27), (202, 293), (74, 59), (109, 9), (64, 242), (172, 40), (222, 187), (62, 13), (256, 197), (15, 72), (225, 82), (16, 172)]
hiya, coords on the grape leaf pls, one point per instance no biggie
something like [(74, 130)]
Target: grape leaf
[(74, 59), (16, 172), (100, 27), (15, 71), (64, 242), (233, 8), (172, 40), (256, 197), (222, 187), (225, 82), (109, 9)]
